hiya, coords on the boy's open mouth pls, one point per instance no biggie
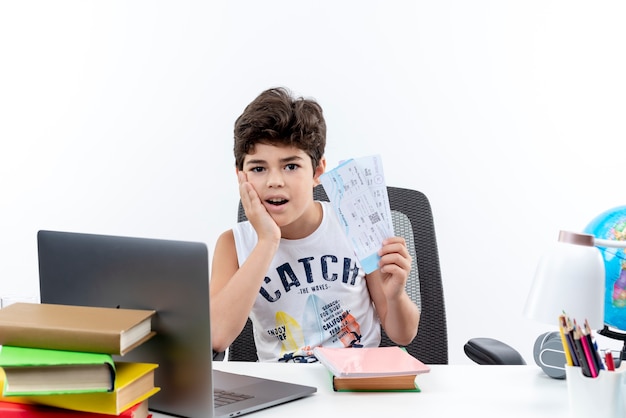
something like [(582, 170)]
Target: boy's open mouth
[(277, 202)]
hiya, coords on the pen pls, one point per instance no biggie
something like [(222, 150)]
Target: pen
[(610, 364)]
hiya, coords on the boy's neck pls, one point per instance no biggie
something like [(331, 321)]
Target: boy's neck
[(305, 225)]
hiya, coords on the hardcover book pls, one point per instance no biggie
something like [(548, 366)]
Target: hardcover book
[(375, 384), (32, 371), (17, 410), (134, 383), (371, 369), (74, 328)]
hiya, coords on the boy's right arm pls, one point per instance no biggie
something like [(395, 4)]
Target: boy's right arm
[(233, 289)]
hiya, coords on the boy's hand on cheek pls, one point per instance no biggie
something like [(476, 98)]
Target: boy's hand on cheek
[(256, 213)]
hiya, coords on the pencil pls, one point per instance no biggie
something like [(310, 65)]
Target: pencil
[(566, 344), (593, 347), (569, 335), (580, 353), (588, 354)]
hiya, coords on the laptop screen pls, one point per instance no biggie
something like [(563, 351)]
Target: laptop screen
[(170, 277)]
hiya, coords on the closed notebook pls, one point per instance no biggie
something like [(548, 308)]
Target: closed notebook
[(371, 369), (369, 362), (134, 383), (74, 328), (36, 371), (17, 410)]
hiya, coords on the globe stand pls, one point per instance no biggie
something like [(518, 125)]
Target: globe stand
[(616, 336)]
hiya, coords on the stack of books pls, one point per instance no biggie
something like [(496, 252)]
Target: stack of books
[(57, 362)]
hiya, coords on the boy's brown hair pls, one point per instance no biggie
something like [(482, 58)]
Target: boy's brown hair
[(277, 117)]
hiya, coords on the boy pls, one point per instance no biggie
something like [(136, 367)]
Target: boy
[(289, 267)]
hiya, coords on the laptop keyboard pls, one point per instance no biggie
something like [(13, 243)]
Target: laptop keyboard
[(224, 397)]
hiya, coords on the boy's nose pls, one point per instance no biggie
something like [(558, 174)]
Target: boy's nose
[(275, 179)]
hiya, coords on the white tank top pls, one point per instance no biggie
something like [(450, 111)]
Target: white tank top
[(314, 293)]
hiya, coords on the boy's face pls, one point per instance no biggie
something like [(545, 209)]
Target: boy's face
[(283, 177)]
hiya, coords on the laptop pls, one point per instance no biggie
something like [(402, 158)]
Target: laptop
[(171, 277)]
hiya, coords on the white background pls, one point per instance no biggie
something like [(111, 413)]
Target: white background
[(116, 117)]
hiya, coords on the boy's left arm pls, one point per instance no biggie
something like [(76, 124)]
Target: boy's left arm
[(398, 314)]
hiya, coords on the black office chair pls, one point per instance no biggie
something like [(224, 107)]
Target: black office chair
[(412, 219)]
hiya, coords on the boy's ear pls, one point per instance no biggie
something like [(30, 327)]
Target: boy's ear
[(241, 175), (319, 170)]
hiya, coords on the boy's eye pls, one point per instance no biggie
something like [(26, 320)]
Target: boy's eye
[(291, 167), (257, 169)]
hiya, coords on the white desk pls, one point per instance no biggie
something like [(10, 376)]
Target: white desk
[(447, 391)]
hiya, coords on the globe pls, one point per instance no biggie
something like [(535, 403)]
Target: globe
[(611, 225)]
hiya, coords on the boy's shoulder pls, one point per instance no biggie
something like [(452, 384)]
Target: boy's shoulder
[(242, 231)]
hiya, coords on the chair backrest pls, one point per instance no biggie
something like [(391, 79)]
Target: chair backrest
[(412, 219)]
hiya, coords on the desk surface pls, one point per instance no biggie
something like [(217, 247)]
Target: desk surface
[(447, 390)]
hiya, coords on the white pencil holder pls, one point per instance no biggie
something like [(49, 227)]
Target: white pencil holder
[(602, 396)]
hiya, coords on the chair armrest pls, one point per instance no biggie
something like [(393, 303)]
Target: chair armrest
[(490, 351)]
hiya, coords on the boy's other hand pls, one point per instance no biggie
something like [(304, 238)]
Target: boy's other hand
[(256, 213), (395, 265)]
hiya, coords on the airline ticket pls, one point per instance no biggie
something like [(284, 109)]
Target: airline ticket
[(358, 194)]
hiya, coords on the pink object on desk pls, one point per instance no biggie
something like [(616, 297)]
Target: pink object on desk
[(369, 362)]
